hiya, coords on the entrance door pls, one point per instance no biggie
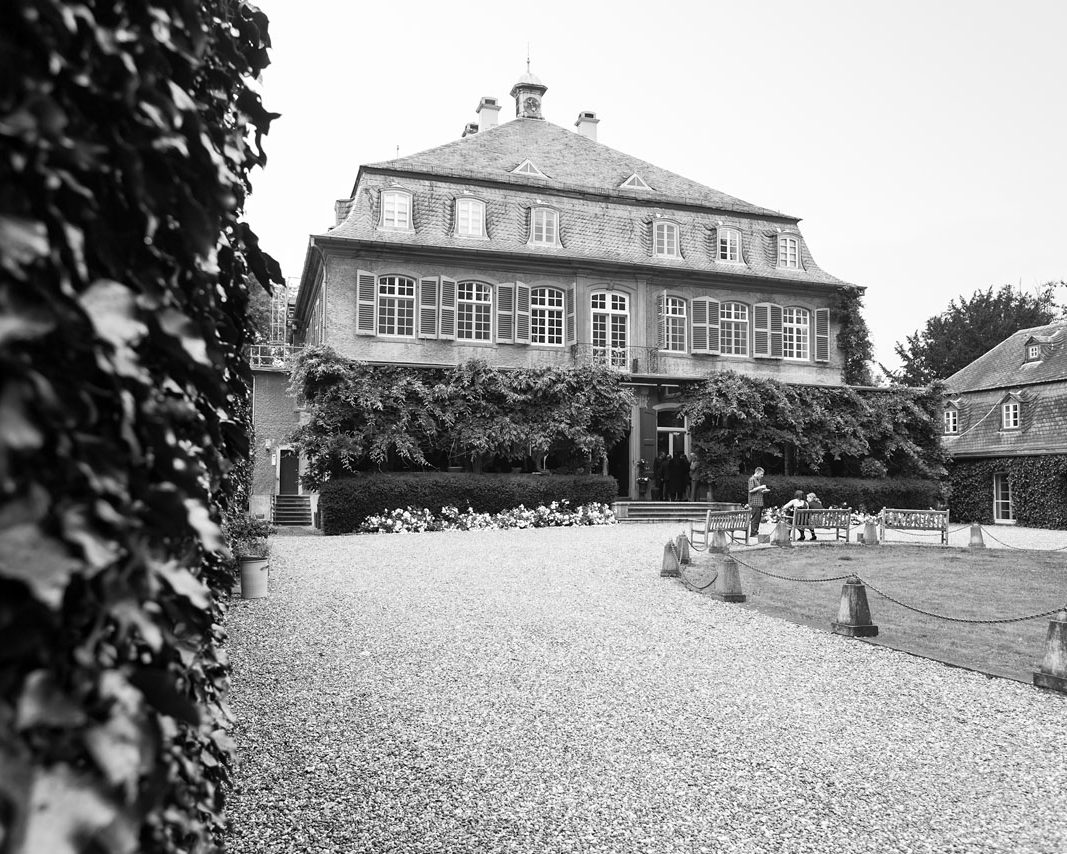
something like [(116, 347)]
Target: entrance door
[(289, 473), (619, 465), (1002, 509)]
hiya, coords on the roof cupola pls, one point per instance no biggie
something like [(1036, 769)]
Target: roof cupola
[(527, 94)]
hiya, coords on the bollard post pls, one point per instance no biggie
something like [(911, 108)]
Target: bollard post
[(976, 537), (671, 567), (780, 537), (719, 543), (870, 533), (682, 545), (727, 585), (1053, 672), (854, 614)]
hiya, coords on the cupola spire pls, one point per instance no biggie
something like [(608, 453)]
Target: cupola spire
[(528, 93)]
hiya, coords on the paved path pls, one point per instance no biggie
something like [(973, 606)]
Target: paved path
[(547, 691)]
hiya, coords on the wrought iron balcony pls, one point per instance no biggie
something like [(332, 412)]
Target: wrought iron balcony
[(629, 360), (273, 357)]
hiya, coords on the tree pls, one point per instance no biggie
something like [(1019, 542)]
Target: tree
[(970, 328)]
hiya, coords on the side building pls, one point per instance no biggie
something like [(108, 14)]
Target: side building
[(525, 243), (1005, 426)]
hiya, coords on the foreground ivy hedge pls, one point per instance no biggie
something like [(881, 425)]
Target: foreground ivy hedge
[(1038, 489), (347, 501), (871, 494), (127, 134)]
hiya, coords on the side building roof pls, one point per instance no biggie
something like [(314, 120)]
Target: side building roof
[(1005, 366)]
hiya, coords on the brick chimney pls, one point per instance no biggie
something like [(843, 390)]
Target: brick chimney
[(488, 112), (470, 129), (586, 124)]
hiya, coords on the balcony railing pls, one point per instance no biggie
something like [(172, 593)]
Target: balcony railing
[(273, 357), (628, 360)]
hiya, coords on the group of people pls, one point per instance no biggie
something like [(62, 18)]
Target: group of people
[(673, 477), (756, 490)]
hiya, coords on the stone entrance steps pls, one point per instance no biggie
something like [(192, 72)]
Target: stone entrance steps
[(291, 510), (668, 511)]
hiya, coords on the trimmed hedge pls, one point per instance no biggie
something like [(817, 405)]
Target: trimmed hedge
[(345, 502), (1038, 489), (851, 492)]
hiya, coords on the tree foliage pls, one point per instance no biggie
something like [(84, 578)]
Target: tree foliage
[(970, 328), (855, 339), (735, 419), (362, 416), (127, 134)]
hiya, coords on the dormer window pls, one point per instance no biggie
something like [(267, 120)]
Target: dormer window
[(729, 245), (527, 167), (544, 227), (789, 253), (1033, 352), (634, 182), (952, 420), (396, 210), (470, 218), (1009, 415), (665, 240)]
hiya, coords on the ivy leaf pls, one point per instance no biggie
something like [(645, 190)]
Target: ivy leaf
[(200, 521), (38, 561), (42, 703), (182, 582), (112, 309), (23, 241), (177, 325), (120, 749)]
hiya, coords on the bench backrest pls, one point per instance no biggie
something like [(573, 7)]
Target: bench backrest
[(823, 518), (727, 520), (919, 520)]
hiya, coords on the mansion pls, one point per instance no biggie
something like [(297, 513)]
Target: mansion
[(525, 243)]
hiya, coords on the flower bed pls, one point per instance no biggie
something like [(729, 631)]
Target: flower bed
[(410, 520)]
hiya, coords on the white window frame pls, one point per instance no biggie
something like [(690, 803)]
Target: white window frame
[(666, 239), (796, 334), (391, 302), (675, 325), (731, 252), (1003, 508), (788, 252), (474, 311), (466, 223), (609, 328), (1033, 352), (546, 316), (734, 327), (390, 219), (1010, 415), (540, 220), (951, 421)]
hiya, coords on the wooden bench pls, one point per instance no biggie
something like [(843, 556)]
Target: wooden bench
[(728, 521), (896, 519), (829, 518)]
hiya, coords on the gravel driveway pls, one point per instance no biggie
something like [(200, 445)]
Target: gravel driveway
[(546, 691)]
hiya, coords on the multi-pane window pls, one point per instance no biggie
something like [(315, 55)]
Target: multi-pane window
[(396, 305), (665, 239), (279, 316), (396, 209), (1033, 352), (789, 252), (610, 327), (952, 421), (1009, 415), (733, 326), (546, 316), (474, 320), (544, 227), (674, 325), (1002, 505), (796, 329), (470, 218), (729, 245)]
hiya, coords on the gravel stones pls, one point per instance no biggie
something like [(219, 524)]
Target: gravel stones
[(546, 691)]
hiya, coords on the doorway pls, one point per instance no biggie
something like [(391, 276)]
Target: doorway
[(1003, 513), (289, 472), (619, 465)]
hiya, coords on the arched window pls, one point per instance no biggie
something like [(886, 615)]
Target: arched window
[(475, 312), (674, 325), (544, 227), (610, 318), (546, 316), (470, 218), (396, 305), (796, 331), (396, 210), (733, 323), (665, 239), (789, 253), (729, 245)]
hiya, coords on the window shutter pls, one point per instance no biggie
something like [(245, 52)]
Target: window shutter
[(569, 307), (700, 326), (448, 308), (366, 300), (776, 331), (428, 308), (761, 330), (505, 313), (822, 335), (661, 321), (522, 313), (713, 326)]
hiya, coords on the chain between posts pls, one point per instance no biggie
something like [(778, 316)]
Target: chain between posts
[(917, 610)]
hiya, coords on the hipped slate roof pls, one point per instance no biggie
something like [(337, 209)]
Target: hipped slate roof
[(1004, 365)]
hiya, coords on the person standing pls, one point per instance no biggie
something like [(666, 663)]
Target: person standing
[(756, 489), (659, 476), (678, 476)]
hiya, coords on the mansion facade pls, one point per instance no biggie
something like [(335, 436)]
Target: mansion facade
[(525, 243)]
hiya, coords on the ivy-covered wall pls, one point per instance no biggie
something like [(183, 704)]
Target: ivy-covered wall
[(1038, 489)]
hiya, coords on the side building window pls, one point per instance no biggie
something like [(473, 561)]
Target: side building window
[(952, 420), (396, 210), (733, 322), (474, 312), (396, 305), (796, 331), (546, 316), (1009, 415)]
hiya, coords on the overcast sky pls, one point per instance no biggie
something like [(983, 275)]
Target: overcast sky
[(922, 144)]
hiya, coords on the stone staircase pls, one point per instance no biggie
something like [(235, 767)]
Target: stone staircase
[(291, 510), (668, 511)]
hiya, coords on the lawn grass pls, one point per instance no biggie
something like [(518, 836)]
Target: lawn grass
[(959, 582)]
